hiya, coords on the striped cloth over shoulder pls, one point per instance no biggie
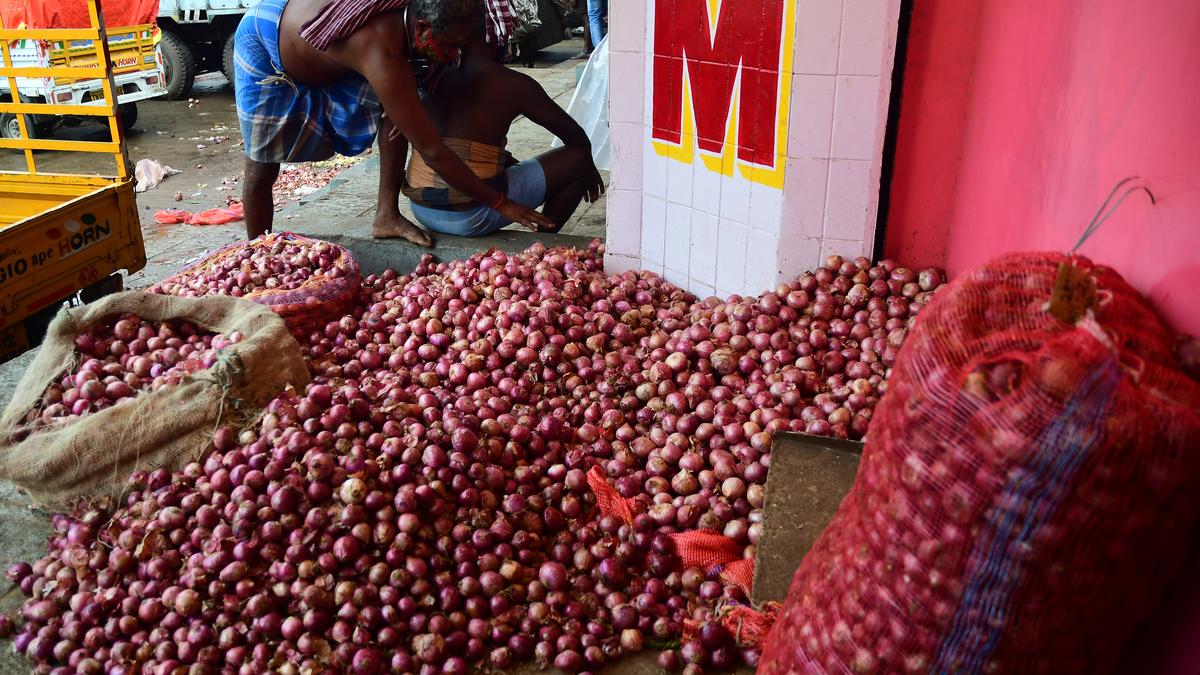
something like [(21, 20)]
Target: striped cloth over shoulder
[(340, 18)]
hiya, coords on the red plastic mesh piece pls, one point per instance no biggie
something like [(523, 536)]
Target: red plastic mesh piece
[(217, 216), (608, 500), (704, 549), (1028, 487)]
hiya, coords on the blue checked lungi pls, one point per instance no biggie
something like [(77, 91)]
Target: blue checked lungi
[(283, 121)]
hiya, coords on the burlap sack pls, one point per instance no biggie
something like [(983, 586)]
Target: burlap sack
[(93, 456)]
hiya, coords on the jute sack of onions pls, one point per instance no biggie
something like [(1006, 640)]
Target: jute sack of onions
[(306, 281), (138, 381), (1030, 483)]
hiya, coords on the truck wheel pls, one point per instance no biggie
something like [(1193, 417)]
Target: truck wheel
[(128, 113), (179, 65), (227, 60), (10, 128)]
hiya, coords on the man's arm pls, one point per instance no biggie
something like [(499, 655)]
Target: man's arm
[(376, 52), (537, 105)]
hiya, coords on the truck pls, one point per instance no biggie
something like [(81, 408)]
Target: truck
[(137, 70), (63, 238), (197, 37)]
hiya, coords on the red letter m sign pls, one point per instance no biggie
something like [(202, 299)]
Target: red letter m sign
[(705, 52)]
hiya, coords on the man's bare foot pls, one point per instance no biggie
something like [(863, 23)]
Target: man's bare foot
[(396, 226)]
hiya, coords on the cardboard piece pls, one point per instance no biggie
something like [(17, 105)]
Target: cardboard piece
[(809, 477)]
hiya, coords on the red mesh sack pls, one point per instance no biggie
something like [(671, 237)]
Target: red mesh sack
[(1028, 487), (327, 284)]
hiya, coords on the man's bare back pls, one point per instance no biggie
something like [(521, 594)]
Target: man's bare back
[(310, 66)]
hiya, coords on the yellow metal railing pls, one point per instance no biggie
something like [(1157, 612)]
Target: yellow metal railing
[(27, 144)]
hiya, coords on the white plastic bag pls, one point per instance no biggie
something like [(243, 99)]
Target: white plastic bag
[(150, 172), (589, 105)]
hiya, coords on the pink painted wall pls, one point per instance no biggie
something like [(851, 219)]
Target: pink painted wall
[(1017, 119)]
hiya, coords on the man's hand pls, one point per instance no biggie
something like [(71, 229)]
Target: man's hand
[(523, 215), (595, 186)]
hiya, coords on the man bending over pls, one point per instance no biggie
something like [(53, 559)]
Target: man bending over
[(473, 107), (315, 77)]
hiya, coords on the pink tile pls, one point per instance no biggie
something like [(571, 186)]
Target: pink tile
[(849, 208), (731, 254), (624, 222), (864, 37), (804, 191), (847, 248), (678, 236), (811, 123), (702, 266), (615, 263), (627, 156), (798, 255), (762, 256), (654, 228), (627, 30), (626, 98), (818, 29), (857, 125)]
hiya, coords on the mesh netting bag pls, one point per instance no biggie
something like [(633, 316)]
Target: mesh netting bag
[(1031, 481), (330, 283), (93, 456)]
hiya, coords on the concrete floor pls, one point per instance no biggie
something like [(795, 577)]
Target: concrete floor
[(173, 132)]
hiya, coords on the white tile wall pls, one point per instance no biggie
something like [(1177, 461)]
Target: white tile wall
[(654, 228), (627, 140), (706, 191), (676, 277), (720, 234), (679, 182), (735, 198), (700, 290), (678, 237), (615, 263), (762, 254), (654, 168), (766, 204), (624, 215), (703, 265), (625, 103), (731, 254)]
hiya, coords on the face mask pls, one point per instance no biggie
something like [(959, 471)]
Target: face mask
[(431, 49)]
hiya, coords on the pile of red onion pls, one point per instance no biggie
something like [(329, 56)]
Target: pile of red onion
[(270, 263), (423, 505), (123, 355)]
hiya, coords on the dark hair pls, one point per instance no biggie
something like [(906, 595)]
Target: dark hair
[(442, 14)]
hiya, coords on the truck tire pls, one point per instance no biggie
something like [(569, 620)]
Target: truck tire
[(10, 128), (128, 113), (227, 60), (179, 64)]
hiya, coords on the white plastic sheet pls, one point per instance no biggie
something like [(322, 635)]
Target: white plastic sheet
[(589, 105), (150, 172)]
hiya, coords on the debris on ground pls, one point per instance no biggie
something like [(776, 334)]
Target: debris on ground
[(150, 172), (215, 216), (297, 181)]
